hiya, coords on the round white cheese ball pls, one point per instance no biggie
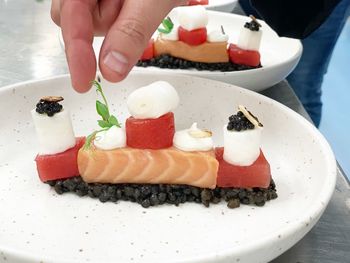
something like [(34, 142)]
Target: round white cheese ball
[(192, 17), (153, 101)]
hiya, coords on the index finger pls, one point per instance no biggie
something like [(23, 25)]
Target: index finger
[(77, 29)]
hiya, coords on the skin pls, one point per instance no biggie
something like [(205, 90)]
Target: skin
[(126, 24)]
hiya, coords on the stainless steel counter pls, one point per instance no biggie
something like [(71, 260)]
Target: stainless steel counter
[(29, 49)]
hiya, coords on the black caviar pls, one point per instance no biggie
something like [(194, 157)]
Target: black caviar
[(252, 25), (49, 105), (170, 62), (239, 122), (158, 194)]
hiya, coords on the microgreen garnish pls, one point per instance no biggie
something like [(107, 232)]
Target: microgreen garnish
[(102, 109), (168, 26)]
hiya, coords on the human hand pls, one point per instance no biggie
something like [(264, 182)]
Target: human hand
[(126, 24)]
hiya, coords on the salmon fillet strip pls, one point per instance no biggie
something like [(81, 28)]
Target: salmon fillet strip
[(164, 166)]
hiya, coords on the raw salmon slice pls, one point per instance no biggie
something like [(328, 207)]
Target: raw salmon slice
[(147, 166)]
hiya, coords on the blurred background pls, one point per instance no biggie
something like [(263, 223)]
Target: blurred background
[(335, 122)]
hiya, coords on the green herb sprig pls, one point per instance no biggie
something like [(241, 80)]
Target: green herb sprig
[(168, 26), (102, 108)]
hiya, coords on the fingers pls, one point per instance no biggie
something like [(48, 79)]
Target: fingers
[(55, 11), (77, 27), (129, 35), (105, 14)]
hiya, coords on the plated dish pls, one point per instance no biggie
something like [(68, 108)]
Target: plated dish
[(190, 45), (279, 56), (83, 229), (146, 160)]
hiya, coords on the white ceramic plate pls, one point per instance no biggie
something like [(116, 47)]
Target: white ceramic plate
[(37, 225), (279, 56)]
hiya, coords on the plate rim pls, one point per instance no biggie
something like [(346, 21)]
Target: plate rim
[(315, 211)]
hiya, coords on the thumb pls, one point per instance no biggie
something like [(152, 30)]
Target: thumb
[(129, 35)]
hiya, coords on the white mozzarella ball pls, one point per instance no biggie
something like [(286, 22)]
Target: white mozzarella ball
[(152, 101), (193, 17)]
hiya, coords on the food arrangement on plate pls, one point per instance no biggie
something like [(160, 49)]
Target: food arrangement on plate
[(302, 166), (149, 162), (189, 44)]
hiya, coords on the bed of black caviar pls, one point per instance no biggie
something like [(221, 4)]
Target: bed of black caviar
[(167, 61), (157, 194)]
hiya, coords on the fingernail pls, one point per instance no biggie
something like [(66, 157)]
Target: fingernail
[(116, 62)]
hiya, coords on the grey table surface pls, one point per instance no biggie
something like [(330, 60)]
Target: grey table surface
[(29, 49)]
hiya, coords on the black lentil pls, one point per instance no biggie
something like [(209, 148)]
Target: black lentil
[(104, 197), (145, 190), (187, 191), (152, 195), (167, 61), (245, 201), (154, 199), (233, 203), (146, 203), (215, 200), (97, 190), (162, 197), (206, 195), (171, 197), (118, 193), (129, 191)]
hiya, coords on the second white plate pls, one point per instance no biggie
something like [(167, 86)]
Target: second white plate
[(279, 55)]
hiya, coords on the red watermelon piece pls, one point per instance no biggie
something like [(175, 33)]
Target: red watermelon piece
[(150, 133), (244, 57), (61, 165), (256, 175), (148, 53)]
